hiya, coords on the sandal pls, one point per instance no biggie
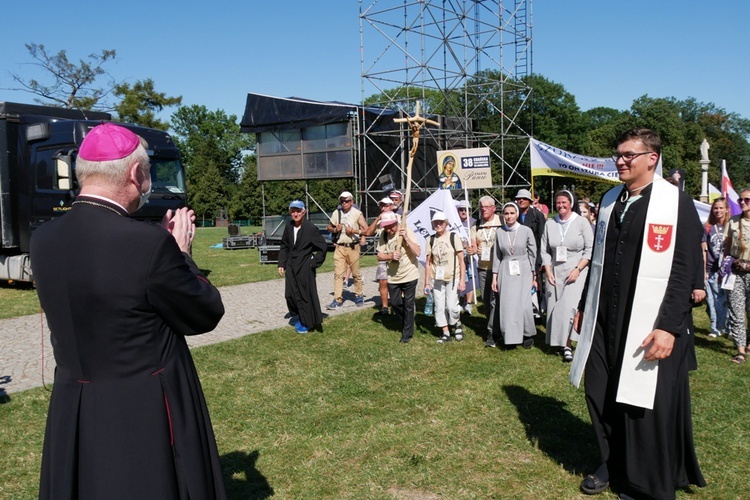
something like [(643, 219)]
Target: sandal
[(739, 358), (592, 485), (567, 355)]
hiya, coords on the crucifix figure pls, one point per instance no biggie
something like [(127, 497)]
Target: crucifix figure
[(415, 123)]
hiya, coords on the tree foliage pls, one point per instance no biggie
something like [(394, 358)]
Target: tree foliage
[(247, 202), (211, 134), (140, 103), (212, 149), (208, 192), (73, 85)]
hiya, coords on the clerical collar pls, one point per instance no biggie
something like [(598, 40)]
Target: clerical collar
[(638, 190)]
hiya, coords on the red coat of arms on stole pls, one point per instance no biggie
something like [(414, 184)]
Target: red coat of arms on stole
[(659, 237)]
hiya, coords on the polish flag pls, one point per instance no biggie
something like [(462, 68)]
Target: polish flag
[(728, 191)]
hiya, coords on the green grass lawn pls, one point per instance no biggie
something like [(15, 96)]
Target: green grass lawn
[(351, 413), (223, 267)]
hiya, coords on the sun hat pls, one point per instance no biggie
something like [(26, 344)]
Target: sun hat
[(525, 194), (388, 218), (439, 216)]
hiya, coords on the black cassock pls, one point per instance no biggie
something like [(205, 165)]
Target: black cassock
[(127, 415), (648, 451), (300, 259)]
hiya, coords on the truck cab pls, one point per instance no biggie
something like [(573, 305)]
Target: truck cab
[(38, 150)]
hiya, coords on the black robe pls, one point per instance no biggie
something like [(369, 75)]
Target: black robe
[(300, 260), (535, 220), (648, 451), (127, 416)]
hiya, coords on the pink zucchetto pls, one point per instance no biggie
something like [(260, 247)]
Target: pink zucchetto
[(108, 142)]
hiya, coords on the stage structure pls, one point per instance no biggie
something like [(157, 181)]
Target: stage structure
[(463, 59)]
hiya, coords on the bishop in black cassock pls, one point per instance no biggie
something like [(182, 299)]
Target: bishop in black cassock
[(127, 416)]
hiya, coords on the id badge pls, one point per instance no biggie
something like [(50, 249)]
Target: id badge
[(561, 254), (440, 273), (486, 253), (514, 267), (729, 282)]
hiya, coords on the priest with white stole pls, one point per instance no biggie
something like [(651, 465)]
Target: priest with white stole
[(635, 342)]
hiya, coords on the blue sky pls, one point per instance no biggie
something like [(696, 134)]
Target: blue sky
[(605, 53)]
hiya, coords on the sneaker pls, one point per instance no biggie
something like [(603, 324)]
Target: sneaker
[(335, 305), (300, 328), (405, 340), (490, 344), (445, 338), (467, 309), (528, 342), (459, 332), (359, 301), (714, 335), (567, 355)]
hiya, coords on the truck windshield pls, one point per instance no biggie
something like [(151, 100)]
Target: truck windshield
[(167, 175)]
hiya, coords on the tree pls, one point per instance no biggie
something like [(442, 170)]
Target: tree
[(246, 203), (208, 192), (726, 132), (557, 119), (211, 135), (212, 151), (73, 85), (140, 103)]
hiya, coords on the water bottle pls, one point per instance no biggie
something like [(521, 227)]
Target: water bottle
[(428, 306)]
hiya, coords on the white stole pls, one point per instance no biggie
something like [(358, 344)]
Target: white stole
[(638, 377)]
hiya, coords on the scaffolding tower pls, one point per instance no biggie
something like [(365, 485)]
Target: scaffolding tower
[(465, 60)]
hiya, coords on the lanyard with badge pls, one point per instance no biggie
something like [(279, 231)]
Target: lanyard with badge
[(514, 266), (561, 252)]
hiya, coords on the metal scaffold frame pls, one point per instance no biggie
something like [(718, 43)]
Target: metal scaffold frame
[(465, 61)]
